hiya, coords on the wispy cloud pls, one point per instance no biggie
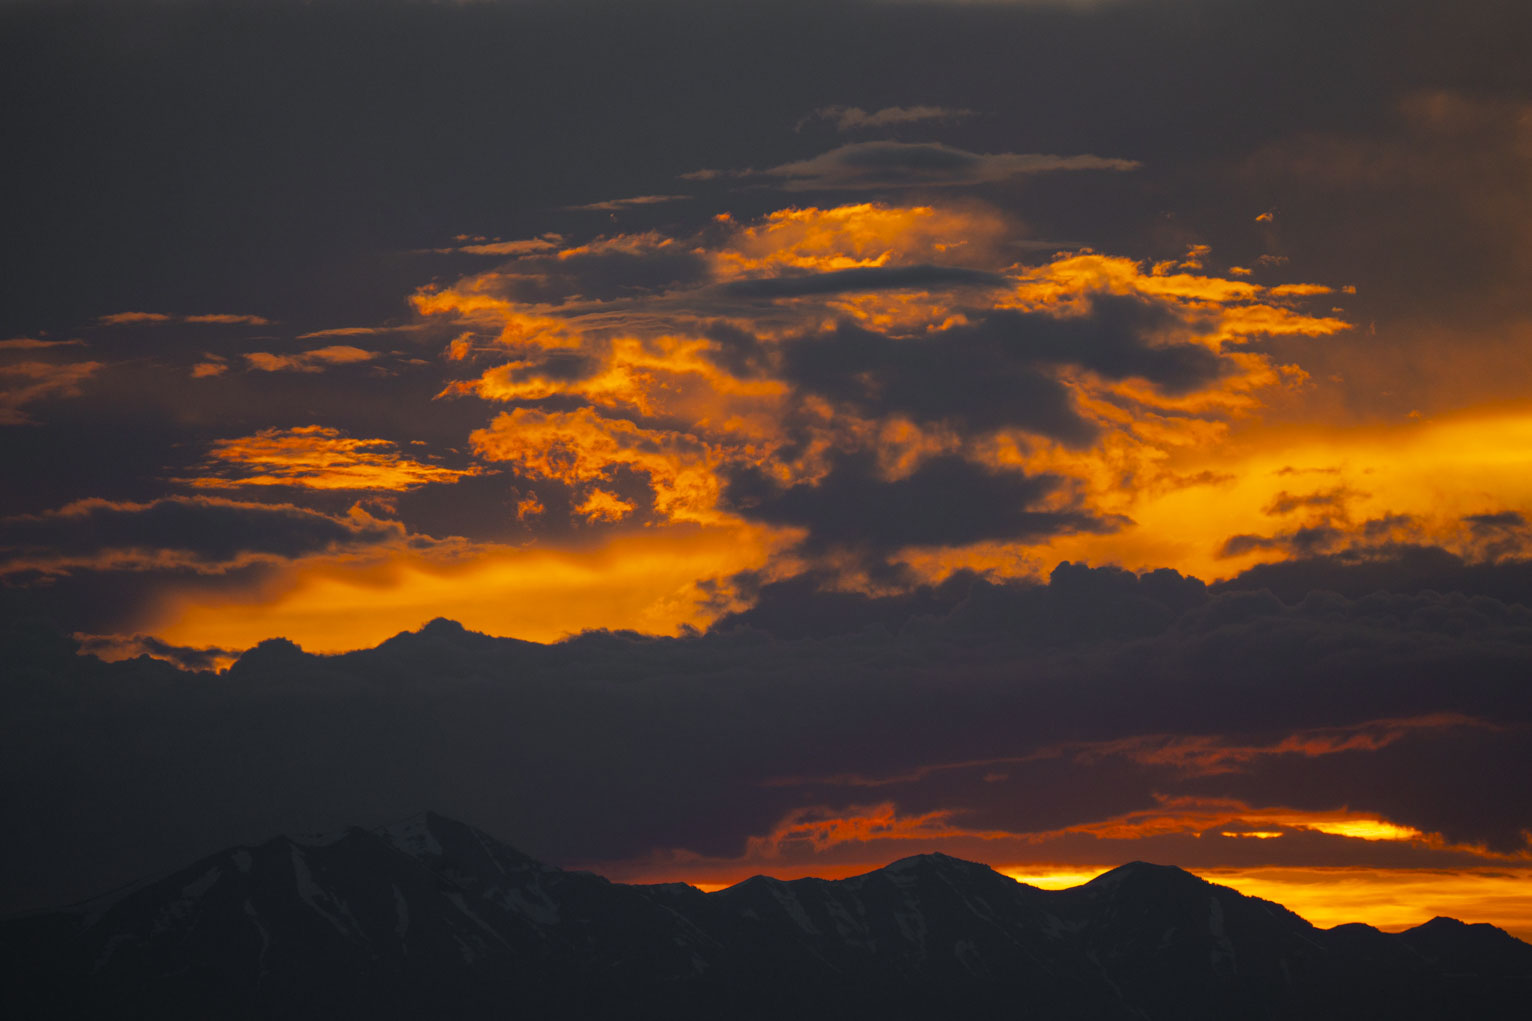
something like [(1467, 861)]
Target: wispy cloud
[(316, 360), (217, 318), (34, 344), (359, 331), (854, 118), (882, 165), (614, 205), (484, 246), (26, 383)]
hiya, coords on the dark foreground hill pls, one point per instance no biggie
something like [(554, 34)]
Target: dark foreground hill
[(433, 919)]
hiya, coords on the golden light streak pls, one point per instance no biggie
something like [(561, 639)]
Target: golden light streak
[(1051, 877), (644, 581), (1203, 815), (1391, 899)]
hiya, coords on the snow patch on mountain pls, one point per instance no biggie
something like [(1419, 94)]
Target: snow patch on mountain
[(413, 836), (316, 897)]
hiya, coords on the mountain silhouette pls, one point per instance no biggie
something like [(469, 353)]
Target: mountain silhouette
[(433, 918)]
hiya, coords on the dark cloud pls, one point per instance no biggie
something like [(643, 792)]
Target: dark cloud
[(1396, 568), (871, 278), (617, 205), (205, 533), (854, 118), (1327, 499), (1079, 604), (184, 656), (1305, 541), (1498, 520), (602, 271), (947, 501), (962, 376), (807, 606), (1499, 535), (1000, 371), (883, 165), (1079, 700)]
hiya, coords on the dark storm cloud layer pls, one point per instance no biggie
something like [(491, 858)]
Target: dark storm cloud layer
[(465, 144), (1072, 703)]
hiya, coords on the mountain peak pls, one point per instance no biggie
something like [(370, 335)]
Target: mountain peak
[(933, 860), (443, 627), (1140, 870)]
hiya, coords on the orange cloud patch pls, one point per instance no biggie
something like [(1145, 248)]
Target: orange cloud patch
[(601, 505), (666, 375), (529, 507), (316, 360), (316, 457), (860, 236), (24, 383), (578, 447), (213, 318), (819, 829)]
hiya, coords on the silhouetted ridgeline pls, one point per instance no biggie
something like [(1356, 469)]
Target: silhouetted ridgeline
[(434, 919)]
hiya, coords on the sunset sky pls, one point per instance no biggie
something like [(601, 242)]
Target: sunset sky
[(1052, 432)]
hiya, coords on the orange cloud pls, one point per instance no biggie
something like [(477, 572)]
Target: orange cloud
[(819, 829), (24, 383), (582, 446), (529, 506), (860, 236), (316, 360), (601, 505), (216, 318), (317, 457), (36, 344)]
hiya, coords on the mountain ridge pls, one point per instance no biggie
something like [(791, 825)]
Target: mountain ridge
[(429, 916)]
